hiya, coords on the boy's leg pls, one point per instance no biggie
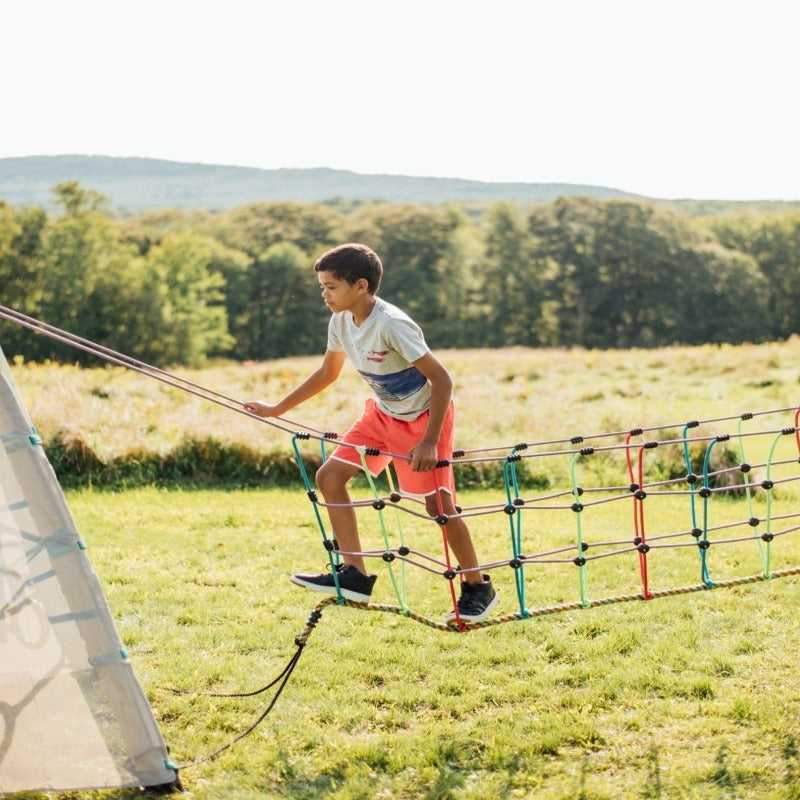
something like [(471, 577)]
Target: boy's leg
[(332, 479), (458, 535)]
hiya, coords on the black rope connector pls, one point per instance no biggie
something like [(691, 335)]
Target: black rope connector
[(521, 446), (723, 437), (788, 431), (515, 563), (767, 537), (691, 479), (633, 487), (693, 424), (697, 532), (378, 505), (372, 451), (577, 507), (403, 550), (579, 561), (444, 462), (312, 496), (650, 445), (395, 497), (458, 454), (510, 509), (584, 546), (705, 492), (388, 557), (330, 545), (767, 484), (643, 548), (640, 494), (449, 574), (586, 451), (458, 509), (637, 540), (753, 522), (302, 435), (579, 491), (747, 415), (513, 457), (330, 435), (442, 519), (636, 432), (744, 467), (518, 501), (704, 544), (576, 440)]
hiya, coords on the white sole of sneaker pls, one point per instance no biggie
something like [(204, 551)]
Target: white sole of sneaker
[(348, 594), (451, 617)]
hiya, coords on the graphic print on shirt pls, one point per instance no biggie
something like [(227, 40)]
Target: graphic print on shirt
[(395, 385), (378, 355)]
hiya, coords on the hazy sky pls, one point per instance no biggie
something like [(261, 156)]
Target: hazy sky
[(668, 99)]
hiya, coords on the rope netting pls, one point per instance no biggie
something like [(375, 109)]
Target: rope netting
[(748, 506)]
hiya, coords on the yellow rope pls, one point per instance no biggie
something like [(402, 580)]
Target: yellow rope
[(463, 627)]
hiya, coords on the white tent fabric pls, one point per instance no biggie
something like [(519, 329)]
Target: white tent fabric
[(72, 712)]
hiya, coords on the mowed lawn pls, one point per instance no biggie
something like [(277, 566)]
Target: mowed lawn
[(694, 695)]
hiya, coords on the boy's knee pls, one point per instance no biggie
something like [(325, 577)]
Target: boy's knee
[(331, 477)]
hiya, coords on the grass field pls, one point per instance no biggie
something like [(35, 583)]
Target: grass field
[(688, 696)]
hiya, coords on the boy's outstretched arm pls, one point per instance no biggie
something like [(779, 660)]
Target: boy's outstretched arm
[(423, 455), (321, 378)]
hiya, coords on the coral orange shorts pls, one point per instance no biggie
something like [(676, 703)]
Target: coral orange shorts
[(396, 437)]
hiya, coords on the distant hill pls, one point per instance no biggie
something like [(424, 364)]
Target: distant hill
[(134, 184)]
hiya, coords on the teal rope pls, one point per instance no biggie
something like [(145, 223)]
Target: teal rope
[(580, 560), (515, 524)]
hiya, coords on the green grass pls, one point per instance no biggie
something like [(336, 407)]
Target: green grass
[(692, 696)]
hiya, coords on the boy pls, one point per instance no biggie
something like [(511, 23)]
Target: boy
[(412, 414)]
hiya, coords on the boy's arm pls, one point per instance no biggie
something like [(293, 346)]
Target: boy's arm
[(322, 377), (423, 455)]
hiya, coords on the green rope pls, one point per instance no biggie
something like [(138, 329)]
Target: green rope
[(580, 560), (702, 544), (749, 498)]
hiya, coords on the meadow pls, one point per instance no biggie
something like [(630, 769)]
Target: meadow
[(691, 696)]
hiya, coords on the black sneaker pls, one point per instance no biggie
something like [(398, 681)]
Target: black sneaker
[(476, 601), (353, 584)]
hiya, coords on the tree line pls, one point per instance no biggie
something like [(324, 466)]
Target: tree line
[(175, 287)]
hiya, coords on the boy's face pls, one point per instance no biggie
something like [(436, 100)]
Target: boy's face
[(338, 294)]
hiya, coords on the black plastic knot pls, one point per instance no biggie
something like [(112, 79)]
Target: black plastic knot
[(691, 479), (312, 496), (767, 537), (443, 462), (458, 509), (723, 437), (403, 550), (747, 415), (388, 557), (576, 440), (395, 497), (767, 485), (753, 522), (458, 454), (579, 561), (372, 451), (577, 507), (442, 519), (584, 546), (693, 424), (640, 494), (510, 509), (704, 544), (521, 446), (637, 540), (744, 467), (650, 445), (378, 505), (579, 491), (330, 545), (705, 492), (697, 532), (449, 574), (513, 457), (515, 563), (586, 451), (636, 432), (633, 487), (787, 431), (303, 435), (518, 501), (330, 435), (643, 548)]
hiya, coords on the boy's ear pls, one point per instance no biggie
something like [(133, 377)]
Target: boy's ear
[(362, 284)]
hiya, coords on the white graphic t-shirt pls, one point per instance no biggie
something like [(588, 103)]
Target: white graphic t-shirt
[(382, 350)]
